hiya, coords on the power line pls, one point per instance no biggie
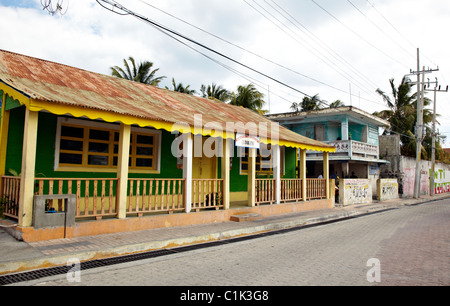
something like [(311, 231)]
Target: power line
[(380, 29), (315, 52), (319, 42), (118, 6), (395, 29), (252, 53), (244, 49), (119, 9), (358, 35)]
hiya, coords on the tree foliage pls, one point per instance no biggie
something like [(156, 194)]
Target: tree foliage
[(142, 73), (402, 115)]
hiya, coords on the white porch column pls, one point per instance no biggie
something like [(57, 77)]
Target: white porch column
[(122, 170), (28, 169), (277, 172), (188, 148), (225, 170), (251, 183), (326, 173), (303, 172)]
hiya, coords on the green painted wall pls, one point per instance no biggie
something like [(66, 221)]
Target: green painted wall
[(45, 154), (15, 140)]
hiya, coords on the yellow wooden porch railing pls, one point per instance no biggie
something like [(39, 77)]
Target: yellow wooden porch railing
[(95, 197), (291, 190), (316, 189), (207, 193), (265, 191), (9, 196), (155, 195)]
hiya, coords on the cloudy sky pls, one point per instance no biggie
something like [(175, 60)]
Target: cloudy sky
[(339, 49)]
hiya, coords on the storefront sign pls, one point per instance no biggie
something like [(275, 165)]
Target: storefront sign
[(246, 141)]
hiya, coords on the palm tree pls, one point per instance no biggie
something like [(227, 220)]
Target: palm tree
[(296, 107), (248, 97), (307, 104), (402, 114), (214, 92), (180, 88), (143, 73), (336, 104)]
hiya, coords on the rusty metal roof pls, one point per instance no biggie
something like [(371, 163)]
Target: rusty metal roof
[(47, 81)]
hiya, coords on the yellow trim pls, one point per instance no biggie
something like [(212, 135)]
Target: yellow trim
[(77, 111), (4, 128), (61, 109), (16, 95)]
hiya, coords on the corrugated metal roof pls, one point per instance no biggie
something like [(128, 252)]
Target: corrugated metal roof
[(61, 84)]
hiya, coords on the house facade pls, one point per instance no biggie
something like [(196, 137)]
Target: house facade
[(352, 131), (136, 156)]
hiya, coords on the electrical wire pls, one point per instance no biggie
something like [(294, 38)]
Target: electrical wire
[(294, 21), (245, 50), (358, 35), (172, 34), (324, 47), (165, 29), (381, 30)]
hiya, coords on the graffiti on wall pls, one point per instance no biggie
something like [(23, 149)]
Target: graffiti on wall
[(355, 191), (387, 189), (441, 184), (409, 181)]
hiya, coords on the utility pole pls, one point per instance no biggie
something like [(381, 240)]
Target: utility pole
[(433, 144), (419, 122)]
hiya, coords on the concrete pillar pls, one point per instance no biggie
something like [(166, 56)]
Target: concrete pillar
[(225, 170), (28, 168), (122, 170), (251, 177), (188, 151), (344, 128)]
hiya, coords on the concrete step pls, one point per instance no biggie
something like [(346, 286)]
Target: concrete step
[(246, 217)]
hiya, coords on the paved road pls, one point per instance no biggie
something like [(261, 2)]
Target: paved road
[(405, 246)]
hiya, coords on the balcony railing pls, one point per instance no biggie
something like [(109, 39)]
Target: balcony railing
[(350, 148)]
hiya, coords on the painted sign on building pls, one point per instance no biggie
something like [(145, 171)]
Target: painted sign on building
[(246, 141), (441, 181)]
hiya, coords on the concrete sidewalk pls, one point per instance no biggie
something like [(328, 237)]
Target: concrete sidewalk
[(18, 256)]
